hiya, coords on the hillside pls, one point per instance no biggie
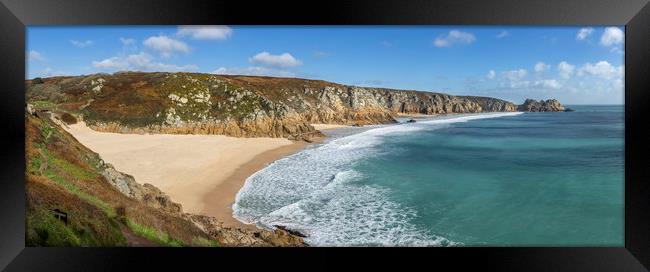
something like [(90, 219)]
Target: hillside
[(74, 198), (241, 106)]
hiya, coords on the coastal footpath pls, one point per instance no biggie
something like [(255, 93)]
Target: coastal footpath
[(243, 106)]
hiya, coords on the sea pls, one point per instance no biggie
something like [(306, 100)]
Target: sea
[(490, 179)]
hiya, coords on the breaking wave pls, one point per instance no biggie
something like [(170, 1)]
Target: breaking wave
[(318, 193)]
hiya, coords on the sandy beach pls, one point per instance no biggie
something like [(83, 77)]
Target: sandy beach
[(327, 126), (415, 115), (201, 172), (218, 201)]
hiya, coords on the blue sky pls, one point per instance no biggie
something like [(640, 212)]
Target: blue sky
[(577, 65)]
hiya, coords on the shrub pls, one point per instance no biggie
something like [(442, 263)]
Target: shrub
[(68, 118)]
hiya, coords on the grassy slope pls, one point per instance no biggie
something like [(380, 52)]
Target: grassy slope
[(63, 174)]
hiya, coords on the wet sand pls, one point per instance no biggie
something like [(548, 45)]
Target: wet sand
[(218, 201), (327, 126)]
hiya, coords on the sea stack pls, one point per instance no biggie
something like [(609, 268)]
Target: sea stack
[(549, 105)]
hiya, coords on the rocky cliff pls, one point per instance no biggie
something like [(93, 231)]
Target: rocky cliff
[(242, 106)]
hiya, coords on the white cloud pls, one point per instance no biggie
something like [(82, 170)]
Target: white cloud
[(214, 32), (46, 72), (34, 55), (166, 46), (598, 83), (81, 44), (583, 33), (526, 84), (111, 63), (127, 41), (254, 71), (515, 75), (612, 36), (601, 69), (491, 74), (565, 69), (616, 50), (514, 78), (49, 72), (282, 60), (541, 67), (517, 79), (547, 83), (454, 37), (139, 62), (503, 34)]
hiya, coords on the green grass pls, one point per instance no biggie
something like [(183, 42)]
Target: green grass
[(75, 171), (202, 242), (105, 207), (34, 165), (153, 235), (46, 130), (43, 229), (39, 104), (62, 235)]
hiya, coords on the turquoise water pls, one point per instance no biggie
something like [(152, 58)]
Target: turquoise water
[(531, 179)]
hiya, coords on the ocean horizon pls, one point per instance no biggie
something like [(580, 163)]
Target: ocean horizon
[(491, 179)]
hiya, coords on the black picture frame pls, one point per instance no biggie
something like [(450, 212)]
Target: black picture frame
[(634, 14)]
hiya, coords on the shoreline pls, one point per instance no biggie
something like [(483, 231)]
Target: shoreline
[(219, 200)]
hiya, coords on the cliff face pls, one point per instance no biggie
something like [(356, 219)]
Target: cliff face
[(239, 106)]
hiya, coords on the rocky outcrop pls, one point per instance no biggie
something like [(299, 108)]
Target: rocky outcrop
[(550, 105), (146, 193), (491, 104), (227, 236), (290, 128)]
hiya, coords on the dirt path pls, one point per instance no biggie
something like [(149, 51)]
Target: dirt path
[(133, 240)]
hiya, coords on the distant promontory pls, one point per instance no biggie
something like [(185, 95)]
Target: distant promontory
[(243, 106)]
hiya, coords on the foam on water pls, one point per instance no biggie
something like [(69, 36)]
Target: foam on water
[(317, 192)]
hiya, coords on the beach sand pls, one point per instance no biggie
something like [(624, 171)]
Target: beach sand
[(201, 172), (218, 201), (327, 126), (415, 115)]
